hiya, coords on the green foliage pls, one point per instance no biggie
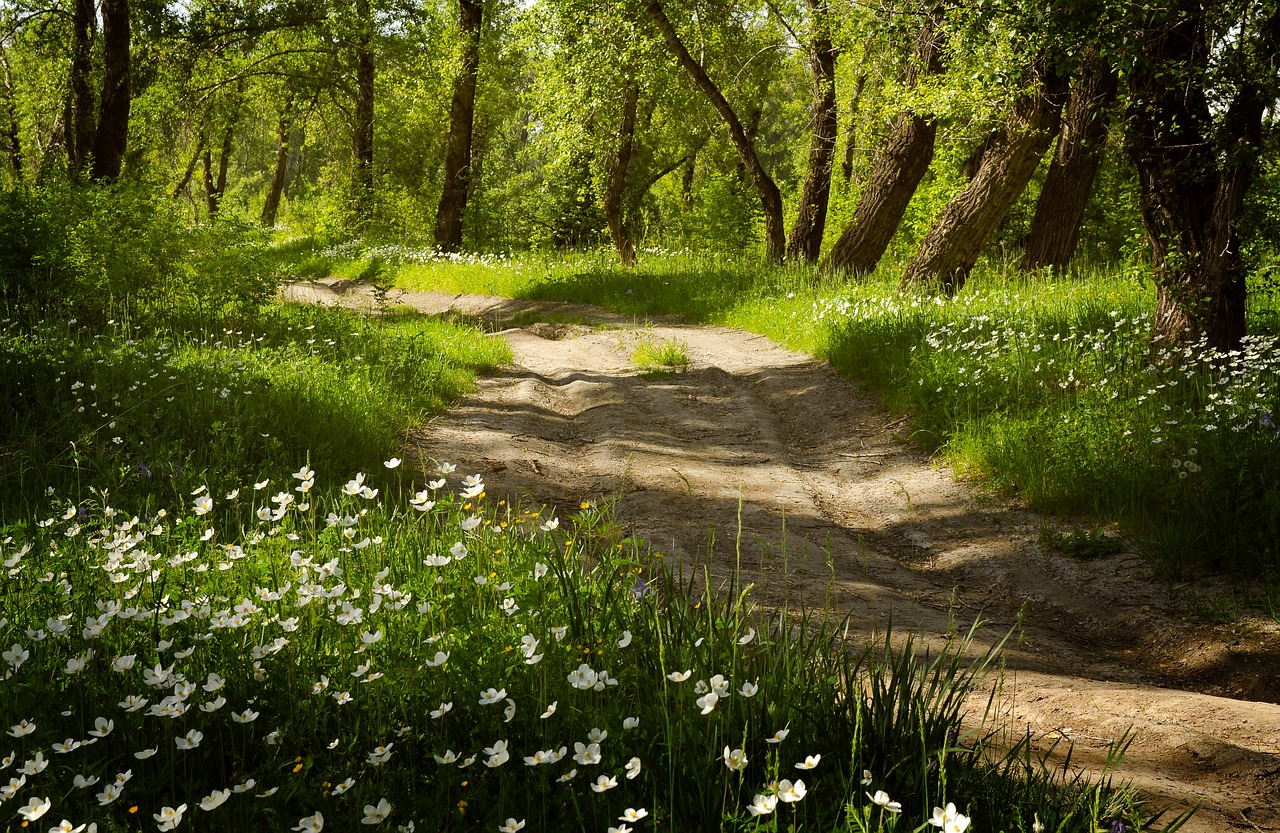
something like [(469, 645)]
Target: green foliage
[(131, 405), (82, 250), (1081, 543)]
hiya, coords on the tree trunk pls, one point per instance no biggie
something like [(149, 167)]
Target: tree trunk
[(617, 181), (1194, 176), (112, 138), (951, 248), (851, 133), (457, 162), (362, 136), (811, 217), (81, 124), (11, 137), (284, 129), (1055, 229), (896, 173), (686, 179), (766, 188)]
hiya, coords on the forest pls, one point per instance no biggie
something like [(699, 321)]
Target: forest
[(1031, 246)]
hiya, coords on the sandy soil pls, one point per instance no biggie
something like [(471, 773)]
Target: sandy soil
[(837, 507)]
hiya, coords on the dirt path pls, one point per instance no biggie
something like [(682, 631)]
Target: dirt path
[(871, 527)]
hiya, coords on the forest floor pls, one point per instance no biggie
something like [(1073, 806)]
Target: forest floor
[(837, 508)]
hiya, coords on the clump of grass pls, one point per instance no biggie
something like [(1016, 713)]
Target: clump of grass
[(1081, 543), (671, 353)]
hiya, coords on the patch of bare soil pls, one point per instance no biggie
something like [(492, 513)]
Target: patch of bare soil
[(835, 507)]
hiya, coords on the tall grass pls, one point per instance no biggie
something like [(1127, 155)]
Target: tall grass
[(272, 657), (148, 400)]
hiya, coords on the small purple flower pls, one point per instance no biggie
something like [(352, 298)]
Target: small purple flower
[(142, 467), (1118, 826), (640, 589), (1266, 420)]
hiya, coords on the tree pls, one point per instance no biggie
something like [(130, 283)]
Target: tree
[(284, 133), (897, 170), (615, 186), (111, 138), (1203, 77), (1055, 228), (951, 248), (766, 188), (805, 240), (457, 166)]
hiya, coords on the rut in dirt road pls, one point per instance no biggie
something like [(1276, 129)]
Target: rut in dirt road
[(766, 460)]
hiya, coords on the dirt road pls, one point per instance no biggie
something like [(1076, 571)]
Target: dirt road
[(836, 507)]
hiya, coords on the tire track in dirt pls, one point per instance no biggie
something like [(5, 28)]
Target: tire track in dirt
[(836, 508)]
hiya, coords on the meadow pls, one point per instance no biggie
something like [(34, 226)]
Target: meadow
[(228, 603)]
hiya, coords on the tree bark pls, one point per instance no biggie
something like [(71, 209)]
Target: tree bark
[(1055, 229), (811, 217), (284, 129), (11, 136), (457, 162), (686, 179), (362, 136), (616, 185), (112, 137), (766, 188), (1194, 175), (851, 132), (896, 173), (82, 122), (951, 248)]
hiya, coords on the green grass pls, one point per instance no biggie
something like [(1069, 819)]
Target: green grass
[(651, 354), (1045, 387), (134, 404), (324, 647)]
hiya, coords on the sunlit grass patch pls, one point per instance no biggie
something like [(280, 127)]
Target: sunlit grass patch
[(652, 354), (123, 407)]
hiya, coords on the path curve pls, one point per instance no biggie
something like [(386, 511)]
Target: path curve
[(872, 526)]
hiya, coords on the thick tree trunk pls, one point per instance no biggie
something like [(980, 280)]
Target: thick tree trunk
[(851, 132), (766, 188), (81, 124), (811, 217), (284, 130), (616, 185), (362, 135), (112, 138), (896, 173), (951, 248), (1194, 176), (457, 162), (1055, 229)]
